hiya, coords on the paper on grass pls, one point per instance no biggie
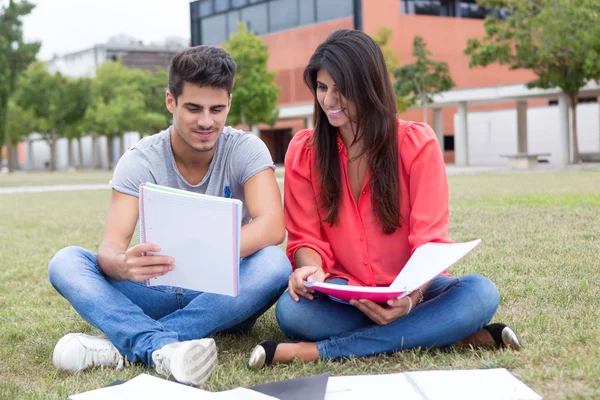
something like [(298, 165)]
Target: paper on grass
[(428, 261), (149, 387), (201, 233), (488, 384)]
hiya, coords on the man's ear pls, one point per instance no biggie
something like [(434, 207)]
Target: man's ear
[(230, 97), (170, 102)]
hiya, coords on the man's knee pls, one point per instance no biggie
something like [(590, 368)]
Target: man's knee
[(64, 264), (274, 263)]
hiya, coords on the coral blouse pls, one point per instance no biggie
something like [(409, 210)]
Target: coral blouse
[(356, 248)]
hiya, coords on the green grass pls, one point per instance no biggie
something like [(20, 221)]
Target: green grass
[(541, 246), (54, 178)]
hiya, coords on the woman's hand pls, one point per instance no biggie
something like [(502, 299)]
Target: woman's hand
[(397, 308), (307, 273)]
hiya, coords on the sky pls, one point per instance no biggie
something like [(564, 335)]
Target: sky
[(65, 26)]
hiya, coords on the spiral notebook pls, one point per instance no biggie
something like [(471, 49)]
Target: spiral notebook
[(427, 262), (201, 232)]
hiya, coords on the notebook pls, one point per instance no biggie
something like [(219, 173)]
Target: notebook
[(488, 384), (427, 262), (149, 387), (200, 232)]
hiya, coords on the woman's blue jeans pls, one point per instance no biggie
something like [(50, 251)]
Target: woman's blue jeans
[(453, 308)]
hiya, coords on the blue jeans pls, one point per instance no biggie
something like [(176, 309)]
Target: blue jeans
[(453, 308), (139, 320)]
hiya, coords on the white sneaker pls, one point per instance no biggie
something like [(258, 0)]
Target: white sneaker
[(189, 362), (78, 351)]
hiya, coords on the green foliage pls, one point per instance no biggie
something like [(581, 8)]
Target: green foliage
[(125, 99), (21, 122), (382, 38), (424, 78), (15, 55), (255, 94), (558, 40)]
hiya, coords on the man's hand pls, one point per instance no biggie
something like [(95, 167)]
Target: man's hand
[(138, 267), (397, 308), (307, 273)]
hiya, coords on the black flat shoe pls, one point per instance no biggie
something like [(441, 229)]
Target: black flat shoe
[(504, 336), (262, 354)]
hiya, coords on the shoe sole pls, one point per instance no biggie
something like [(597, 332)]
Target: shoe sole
[(194, 361), (59, 350), (257, 357)]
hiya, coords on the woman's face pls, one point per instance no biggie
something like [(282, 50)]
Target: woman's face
[(341, 113)]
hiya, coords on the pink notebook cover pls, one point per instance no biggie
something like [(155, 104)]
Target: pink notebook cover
[(428, 261), (346, 293)]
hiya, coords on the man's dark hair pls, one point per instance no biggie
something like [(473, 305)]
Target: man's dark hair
[(202, 66)]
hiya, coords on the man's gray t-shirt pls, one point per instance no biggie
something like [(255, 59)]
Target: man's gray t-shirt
[(238, 156)]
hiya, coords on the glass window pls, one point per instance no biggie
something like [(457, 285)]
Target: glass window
[(214, 29), (196, 33), (221, 5), (469, 9), (255, 1), (283, 14), (232, 20), (205, 7), (307, 11), (428, 7), (238, 3), (332, 9), (255, 18)]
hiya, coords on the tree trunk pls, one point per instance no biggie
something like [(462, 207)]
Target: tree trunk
[(12, 155), (80, 153), (574, 100), (53, 150), (109, 152), (94, 151), (121, 144), (70, 153), (424, 105)]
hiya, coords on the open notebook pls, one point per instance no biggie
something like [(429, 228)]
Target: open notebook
[(201, 232), (428, 261), (478, 384)]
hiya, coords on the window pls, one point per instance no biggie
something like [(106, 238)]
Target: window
[(333, 9), (238, 3), (221, 5), (306, 12), (449, 142), (283, 14), (205, 7), (469, 9), (214, 29), (232, 20), (256, 18), (428, 7)]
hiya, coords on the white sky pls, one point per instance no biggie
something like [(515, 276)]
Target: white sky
[(65, 26)]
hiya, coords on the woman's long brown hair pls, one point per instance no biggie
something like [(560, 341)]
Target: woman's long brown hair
[(356, 65)]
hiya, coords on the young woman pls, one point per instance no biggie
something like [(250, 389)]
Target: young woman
[(363, 190)]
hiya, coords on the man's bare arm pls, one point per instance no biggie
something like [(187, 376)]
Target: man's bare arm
[(263, 199)]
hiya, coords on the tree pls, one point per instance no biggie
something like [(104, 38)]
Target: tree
[(382, 38), (255, 94), (558, 40), (44, 95), (76, 101), (125, 100), (424, 78), (15, 56)]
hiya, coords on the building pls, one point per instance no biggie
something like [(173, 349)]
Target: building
[(130, 52), (294, 28)]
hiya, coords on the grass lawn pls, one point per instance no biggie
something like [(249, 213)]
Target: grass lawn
[(541, 234), (54, 178), (64, 178)]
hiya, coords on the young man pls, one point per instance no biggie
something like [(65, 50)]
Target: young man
[(163, 326)]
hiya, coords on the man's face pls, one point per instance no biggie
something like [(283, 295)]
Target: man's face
[(199, 115)]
